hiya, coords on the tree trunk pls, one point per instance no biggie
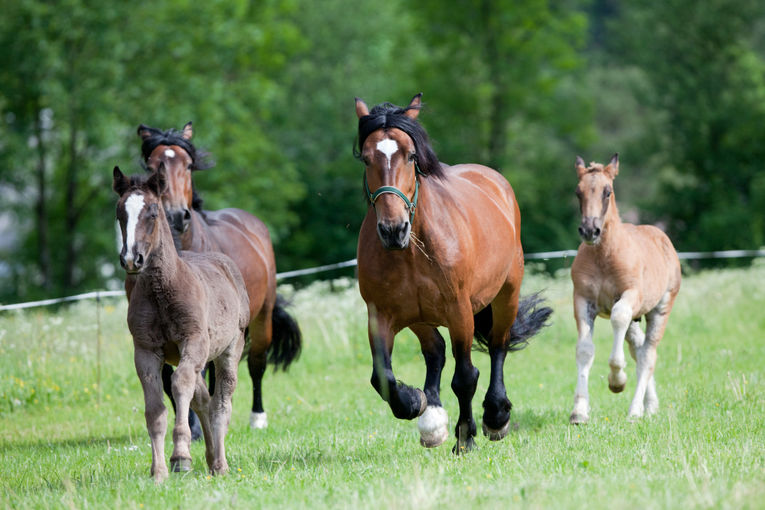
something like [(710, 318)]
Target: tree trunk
[(41, 209)]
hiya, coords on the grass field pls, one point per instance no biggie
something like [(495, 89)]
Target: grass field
[(69, 441)]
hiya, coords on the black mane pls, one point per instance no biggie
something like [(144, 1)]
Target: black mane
[(388, 116), (200, 160)]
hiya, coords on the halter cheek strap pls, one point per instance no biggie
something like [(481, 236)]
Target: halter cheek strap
[(411, 205)]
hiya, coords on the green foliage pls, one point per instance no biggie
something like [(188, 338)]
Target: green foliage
[(333, 443), (708, 79), (677, 88)]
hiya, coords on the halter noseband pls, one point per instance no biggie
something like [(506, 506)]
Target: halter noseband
[(411, 205)]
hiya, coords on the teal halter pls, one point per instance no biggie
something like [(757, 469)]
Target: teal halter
[(411, 205)]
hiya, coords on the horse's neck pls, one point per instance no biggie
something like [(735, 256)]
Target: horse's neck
[(198, 237), (164, 265)]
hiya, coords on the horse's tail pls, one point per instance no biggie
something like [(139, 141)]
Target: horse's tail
[(286, 340), (530, 319)]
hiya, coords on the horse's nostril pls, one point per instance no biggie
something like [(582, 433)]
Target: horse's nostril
[(581, 231), (139, 260), (597, 232), (123, 262), (186, 214)]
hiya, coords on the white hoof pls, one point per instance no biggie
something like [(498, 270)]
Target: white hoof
[(258, 420), (433, 425)]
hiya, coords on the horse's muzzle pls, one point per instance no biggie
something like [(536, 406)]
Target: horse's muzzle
[(590, 230), (394, 236), (179, 219), (132, 265)]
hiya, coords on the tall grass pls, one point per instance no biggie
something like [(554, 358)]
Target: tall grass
[(72, 438)]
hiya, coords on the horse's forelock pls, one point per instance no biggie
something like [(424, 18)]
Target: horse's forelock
[(199, 159), (388, 116)]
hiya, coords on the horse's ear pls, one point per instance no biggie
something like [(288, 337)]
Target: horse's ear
[(187, 131), (362, 109), (157, 181), (612, 169), (145, 131), (120, 183), (581, 168), (413, 110)]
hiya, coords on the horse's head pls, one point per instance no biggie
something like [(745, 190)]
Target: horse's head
[(595, 192), (173, 149), (394, 149), (139, 211)]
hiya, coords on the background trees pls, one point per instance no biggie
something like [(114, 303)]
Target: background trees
[(676, 87)]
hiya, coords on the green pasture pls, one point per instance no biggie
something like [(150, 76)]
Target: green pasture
[(73, 436)]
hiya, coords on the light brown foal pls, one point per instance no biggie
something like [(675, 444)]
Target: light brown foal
[(624, 272)]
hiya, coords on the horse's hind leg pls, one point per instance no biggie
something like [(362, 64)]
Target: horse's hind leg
[(656, 323), (260, 331), (635, 339), (405, 401), (148, 366), (220, 407), (433, 423)]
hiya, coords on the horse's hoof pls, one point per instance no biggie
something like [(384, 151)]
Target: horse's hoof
[(465, 447), (578, 419), (617, 383), (180, 465), (495, 434), (433, 426), (219, 468), (258, 420)]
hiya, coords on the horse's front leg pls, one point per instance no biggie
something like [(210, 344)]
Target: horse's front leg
[(621, 318), (584, 313), (184, 381), (465, 377), (148, 366), (167, 384), (645, 399), (433, 423), (405, 401)]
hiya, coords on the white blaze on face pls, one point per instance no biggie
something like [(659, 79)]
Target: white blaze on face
[(170, 153), (387, 147), (133, 206)]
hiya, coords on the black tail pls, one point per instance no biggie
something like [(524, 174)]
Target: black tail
[(287, 340), (530, 319)]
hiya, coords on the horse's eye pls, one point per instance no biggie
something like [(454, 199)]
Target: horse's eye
[(153, 211), (365, 160), (606, 192), (412, 157)]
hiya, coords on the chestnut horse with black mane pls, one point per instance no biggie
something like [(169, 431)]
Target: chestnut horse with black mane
[(184, 308), (440, 246), (273, 334), (623, 272)]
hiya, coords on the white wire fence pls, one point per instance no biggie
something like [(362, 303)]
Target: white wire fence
[(547, 255)]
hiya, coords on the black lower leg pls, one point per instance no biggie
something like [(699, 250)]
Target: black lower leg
[(257, 367), (496, 406), (435, 358), (167, 383), (405, 401), (464, 384)]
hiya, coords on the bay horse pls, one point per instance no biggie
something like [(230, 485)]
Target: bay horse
[(440, 246), (186, 309), (274, 336), (623, 272)]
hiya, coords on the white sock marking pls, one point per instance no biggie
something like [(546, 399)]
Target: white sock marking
[(258, 420), (433, 425), (133, 206), (170, 153), (387, 147)]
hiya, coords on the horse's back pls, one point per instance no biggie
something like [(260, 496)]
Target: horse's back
[(662, 262), (246, 239)]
